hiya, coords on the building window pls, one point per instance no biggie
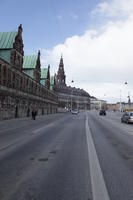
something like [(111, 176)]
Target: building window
[(13, 80), (4, 74), (9, 77)]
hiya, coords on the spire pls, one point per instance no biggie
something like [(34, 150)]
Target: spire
[(20, 29), (61, 78), (61, 62), (38, 62), (47, 82), (39, 54), (48, 73)]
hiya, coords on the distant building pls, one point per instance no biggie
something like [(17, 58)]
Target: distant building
[(120, 106), (20, 76), (97, 104), (69, 96)]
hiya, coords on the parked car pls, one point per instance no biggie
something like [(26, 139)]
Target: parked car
[(75, 111), (127, 117), (102, 112)]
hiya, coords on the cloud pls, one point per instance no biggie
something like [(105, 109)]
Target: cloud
[(114, 8), (100, 60)]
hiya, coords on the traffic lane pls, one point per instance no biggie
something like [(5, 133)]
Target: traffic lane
[(116, 121), (127, 128), (21, 129), (115, 153), (52, 166), (115, 116)]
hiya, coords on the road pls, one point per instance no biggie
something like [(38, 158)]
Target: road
[(51, 158)]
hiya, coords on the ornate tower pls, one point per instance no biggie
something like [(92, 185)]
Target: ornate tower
[(47, 83), (61, 77), (37, 70), (17, 51)]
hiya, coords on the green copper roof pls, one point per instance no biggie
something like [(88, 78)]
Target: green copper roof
[(7, 39), (42, 82), (30, 61), (51, 80), (29, 72), (44, 72), (5, 54)]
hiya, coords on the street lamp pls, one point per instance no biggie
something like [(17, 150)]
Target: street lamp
[(129, 100), (71, 94)]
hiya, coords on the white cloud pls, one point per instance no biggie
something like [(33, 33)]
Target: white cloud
[(114, 8), (100, 60)]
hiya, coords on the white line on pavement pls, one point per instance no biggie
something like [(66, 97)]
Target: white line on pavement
[(43, 127), (99, 189)]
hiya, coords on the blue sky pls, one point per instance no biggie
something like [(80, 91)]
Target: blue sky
[(47, 22)]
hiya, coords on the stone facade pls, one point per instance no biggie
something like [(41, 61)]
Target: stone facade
[(70, 97), (20, 93)]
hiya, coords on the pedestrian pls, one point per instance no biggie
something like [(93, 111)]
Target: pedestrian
[(34, 114)]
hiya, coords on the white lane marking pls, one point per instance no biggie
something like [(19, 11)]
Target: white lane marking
[(99, 189), (44, 127)]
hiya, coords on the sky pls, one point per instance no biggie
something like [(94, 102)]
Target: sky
[(95, 38)]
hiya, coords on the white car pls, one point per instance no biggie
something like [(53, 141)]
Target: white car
[(75, 111), (127, 117)]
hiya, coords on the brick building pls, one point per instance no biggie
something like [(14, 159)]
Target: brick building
[(20, 76)]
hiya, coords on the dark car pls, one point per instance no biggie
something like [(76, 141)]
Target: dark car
[(127, 117), (102, 112)]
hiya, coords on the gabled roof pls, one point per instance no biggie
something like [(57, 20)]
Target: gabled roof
[(44, 72), (30, 61), (7, 39)]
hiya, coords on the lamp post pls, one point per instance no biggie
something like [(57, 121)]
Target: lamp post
[(120, 101), (71, 95), (129, 100)]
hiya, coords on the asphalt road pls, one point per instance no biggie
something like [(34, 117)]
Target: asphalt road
[(49, 159), (113, 141), (46, 159)]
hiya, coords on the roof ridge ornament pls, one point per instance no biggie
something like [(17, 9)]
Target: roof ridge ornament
[(20, 29), (39, 53)]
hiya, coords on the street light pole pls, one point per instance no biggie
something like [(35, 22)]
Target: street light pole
[(120, 100), (129, 100), (71, 95)]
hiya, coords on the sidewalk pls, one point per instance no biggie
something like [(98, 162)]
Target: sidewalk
[(20, 122)]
